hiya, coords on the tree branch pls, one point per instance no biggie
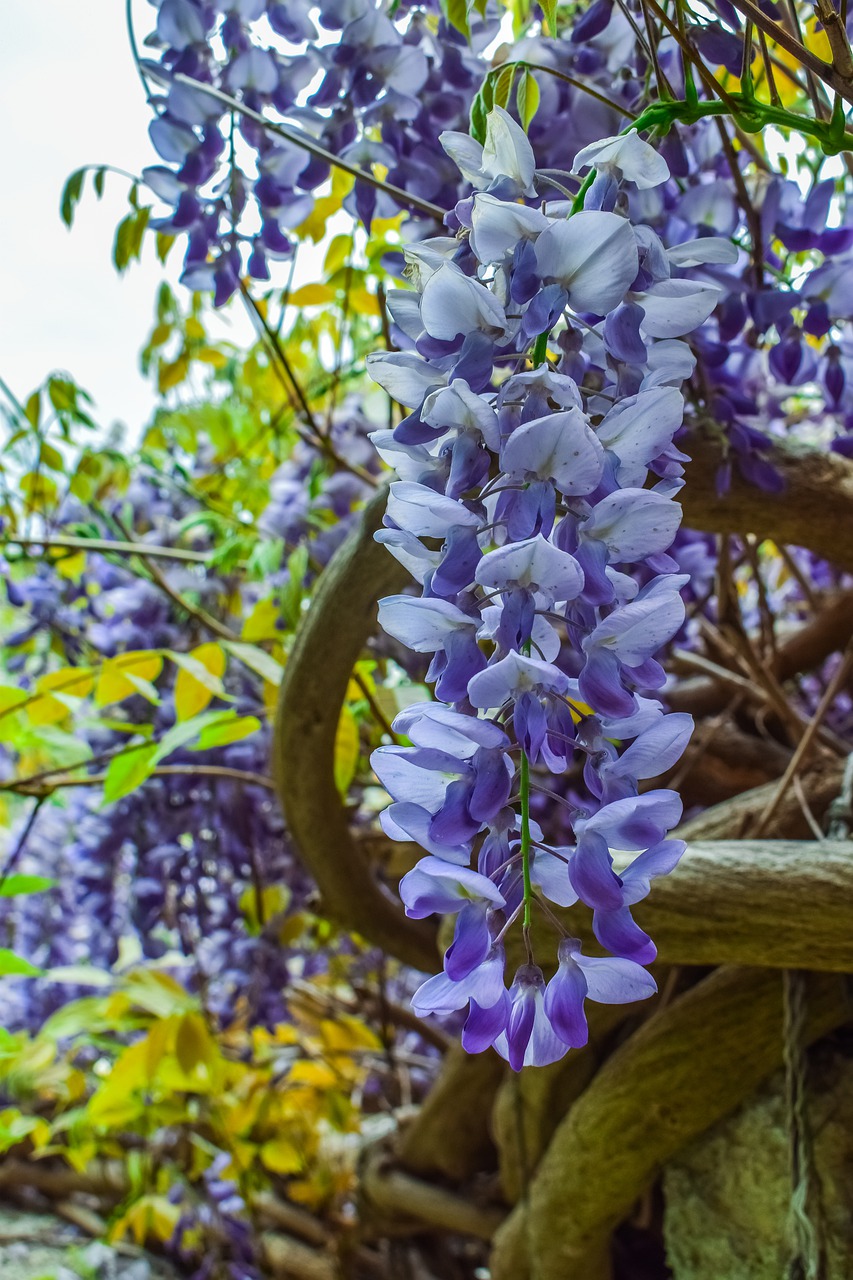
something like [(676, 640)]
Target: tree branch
[(814, 511), (802, 650), (684, 1069), (769, 903), (328, 642), (390, 1194), (733, 819)]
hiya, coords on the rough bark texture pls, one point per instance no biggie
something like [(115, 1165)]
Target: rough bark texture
[(732, 820), (814, 510), (770, 903), (328, 643), (728, 1195), (713, 1046)]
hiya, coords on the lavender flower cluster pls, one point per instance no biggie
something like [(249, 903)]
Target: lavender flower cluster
[(397, 74), (379, 94), (536, 506)]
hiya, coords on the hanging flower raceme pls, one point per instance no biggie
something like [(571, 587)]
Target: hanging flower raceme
[(536, 509)]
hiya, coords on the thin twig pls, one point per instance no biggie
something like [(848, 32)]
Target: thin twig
[(808, 60), (105, 545), (301, 139), (245, 776), (841, 673), (20, 843), (195, 611)]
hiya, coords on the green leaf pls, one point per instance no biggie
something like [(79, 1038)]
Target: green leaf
[(549, 12), (164, 246), (13, 886), (127, 772), (346, 750), (503, 84), (81, 975), (527, 98), (12, 964), (230, 728), (32, 409), (129, 234), (65, 396), (98, 181), (456, 14), (477, 125), (257, 660), (291, 596), (185, 730), (71, 194)]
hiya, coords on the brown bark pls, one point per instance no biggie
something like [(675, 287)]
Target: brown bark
[(687, 1067), (328, 643), (815, 510)]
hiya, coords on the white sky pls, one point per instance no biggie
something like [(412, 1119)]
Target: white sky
[(69, 96)]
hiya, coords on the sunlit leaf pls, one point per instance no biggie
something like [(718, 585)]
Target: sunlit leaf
[(282, 1157), (346, 750), (12, 886), (257, 660), (128, 674), (312, 295), (226, 730), (262, 622), (128, 771), (10, 963), (194, 1044), (199, 678), (527, 97)]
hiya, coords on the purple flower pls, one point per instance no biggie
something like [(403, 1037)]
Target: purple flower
[(529, 1039), (607, 980)]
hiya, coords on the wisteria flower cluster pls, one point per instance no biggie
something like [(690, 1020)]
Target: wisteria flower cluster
[(536, 512)]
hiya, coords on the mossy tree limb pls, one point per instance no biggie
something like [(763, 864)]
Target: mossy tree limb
[(687, 1067), (328, 643)]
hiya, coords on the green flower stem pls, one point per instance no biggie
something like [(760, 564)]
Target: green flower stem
[(749, 113), (525, 839)]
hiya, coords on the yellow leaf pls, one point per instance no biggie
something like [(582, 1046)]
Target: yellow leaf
[(312, 295), (128, 674), (158, 993), (11, 696), (149, 1217), (280, 1156), (579, 710), (172, 373), (118, 1102), (257, 908), (38, 489), (381, 227), (191, 695), (194, 329), (211, 356), (261, 622), (69, 683), (346, 750), (72, 567), (193, 1043), (364, 302), (339, 251), (314, 1074), (314, 226), (346, 1033)]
